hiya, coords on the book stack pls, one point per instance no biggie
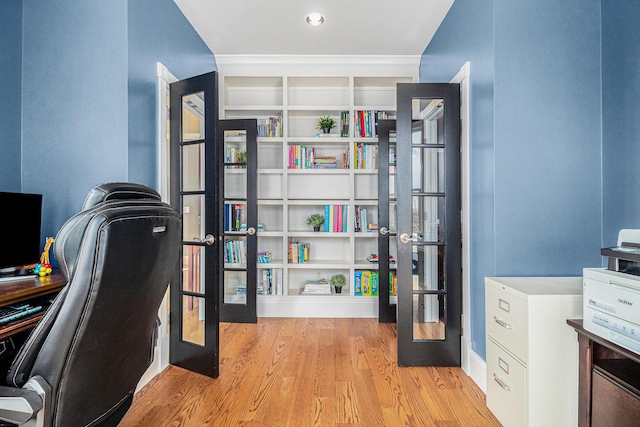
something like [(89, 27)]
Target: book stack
[(235, 252), (365, 156), (271, 282), (324, 162), (298, 252), (264, 257), (271, 127), (373, 259), (335, 218), (316, 287)]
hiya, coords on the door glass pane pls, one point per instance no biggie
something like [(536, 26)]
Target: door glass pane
[(235, 149), (428, 218), (192, 215), (235, 252), (235, 183), (193, 319), (393, 215), (428, 267), (428, 168), (235, 170), (235, 287), (193, 117), (428, 317), (193, 269), (392, 166), (428, 121), (193, 167)]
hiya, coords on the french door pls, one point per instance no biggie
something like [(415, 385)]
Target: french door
[(428, 233), (239, 221), (387, 214), (195, 300)]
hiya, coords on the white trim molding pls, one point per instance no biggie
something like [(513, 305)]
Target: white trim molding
[(318, 65), (470, 360)]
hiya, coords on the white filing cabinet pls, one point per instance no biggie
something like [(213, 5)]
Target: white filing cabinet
[(532, 354)]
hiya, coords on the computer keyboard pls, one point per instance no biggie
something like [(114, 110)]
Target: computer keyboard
[(11, 313)]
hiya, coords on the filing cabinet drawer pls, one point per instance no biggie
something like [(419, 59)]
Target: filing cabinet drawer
[(506, 387), (507, 321)]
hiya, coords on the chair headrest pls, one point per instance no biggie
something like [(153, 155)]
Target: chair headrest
[(118, 191), (70, 236)]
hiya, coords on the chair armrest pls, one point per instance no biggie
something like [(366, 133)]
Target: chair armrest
[(19, 405)]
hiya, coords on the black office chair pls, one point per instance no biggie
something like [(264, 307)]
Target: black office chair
[(81, 364)]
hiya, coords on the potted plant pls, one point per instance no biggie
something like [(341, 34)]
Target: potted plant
[(315, 220), (242, 156), (326, 123), (338, 281)]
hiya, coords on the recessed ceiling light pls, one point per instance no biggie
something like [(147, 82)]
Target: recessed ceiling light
[(315, 19)]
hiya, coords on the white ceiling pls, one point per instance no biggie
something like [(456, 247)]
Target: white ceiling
[(351, 27)]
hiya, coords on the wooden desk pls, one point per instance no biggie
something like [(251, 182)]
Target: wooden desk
[(609, 381), (26, 289)]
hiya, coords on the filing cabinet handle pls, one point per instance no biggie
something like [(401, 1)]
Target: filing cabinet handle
[(501, 322), (501, 383)]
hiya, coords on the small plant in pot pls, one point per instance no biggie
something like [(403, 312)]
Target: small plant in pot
[(315, 220), (326, 123), (242, 156), (338, 281)]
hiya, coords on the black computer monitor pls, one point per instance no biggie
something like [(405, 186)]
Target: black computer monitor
[(20, 222)]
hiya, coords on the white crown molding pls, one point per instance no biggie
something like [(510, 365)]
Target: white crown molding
[(320, 64)]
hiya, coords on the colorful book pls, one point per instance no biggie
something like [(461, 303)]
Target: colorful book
[(366, 283), (374, 284), (357, 283), (326, 218)]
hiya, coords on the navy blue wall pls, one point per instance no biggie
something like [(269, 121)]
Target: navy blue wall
[(158, 32), (621, 116), (542, 171), (74, 101), (10, 94), (84, 64)]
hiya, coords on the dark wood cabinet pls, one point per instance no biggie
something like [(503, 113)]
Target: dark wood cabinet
[(609, 382)]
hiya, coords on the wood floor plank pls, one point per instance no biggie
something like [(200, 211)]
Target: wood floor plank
[(310, 372)]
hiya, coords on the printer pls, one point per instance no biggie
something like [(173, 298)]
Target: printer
[(611, 297)]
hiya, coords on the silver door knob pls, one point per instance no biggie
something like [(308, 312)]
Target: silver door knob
[(405, 238), (208, 239), (384, 230), (251, 231)]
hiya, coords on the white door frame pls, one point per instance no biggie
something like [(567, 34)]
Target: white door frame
[(472, 364), (164, 78)]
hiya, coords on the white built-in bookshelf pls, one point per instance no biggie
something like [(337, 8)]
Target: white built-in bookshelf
[(287, 96)]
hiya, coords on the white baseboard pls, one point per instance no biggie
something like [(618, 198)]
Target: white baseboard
[(473, 365)]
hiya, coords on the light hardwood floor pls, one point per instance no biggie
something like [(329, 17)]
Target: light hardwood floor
[(310, 372)]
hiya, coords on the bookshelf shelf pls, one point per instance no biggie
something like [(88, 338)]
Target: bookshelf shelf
[(299, 94)]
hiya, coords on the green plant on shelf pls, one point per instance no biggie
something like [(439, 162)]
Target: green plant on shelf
[(338, 281), (315, 220), (242, 156), (326, 123)]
